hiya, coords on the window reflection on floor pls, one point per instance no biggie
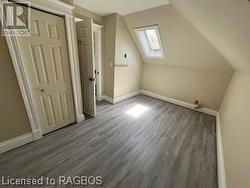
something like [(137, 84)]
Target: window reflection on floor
[(137, 110)]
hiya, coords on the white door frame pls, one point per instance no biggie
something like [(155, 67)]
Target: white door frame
[(98, 57), (97, 28), (56, 7)]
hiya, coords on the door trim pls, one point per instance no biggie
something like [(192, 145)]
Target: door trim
[(98, 29), (66, 11)]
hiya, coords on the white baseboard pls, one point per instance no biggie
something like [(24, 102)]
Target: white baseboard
[(80, 118), (122, 98), (17, 142), (161, 97), (220, 157), (108, 99), (37, 134), (101, 98), (119, 99), (178, 102)]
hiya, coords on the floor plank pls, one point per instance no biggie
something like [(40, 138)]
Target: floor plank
[(166, 146)]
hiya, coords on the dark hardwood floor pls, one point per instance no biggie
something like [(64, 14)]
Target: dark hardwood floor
[(164, 146)]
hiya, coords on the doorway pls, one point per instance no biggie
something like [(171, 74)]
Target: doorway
[(97, 29), (89, 38)]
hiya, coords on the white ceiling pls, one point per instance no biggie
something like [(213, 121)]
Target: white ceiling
[(122, 7)]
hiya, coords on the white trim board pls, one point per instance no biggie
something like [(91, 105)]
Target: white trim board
[(220, 156), (179, 102), (119, 99), (108, 99), (122, 98), (53, 6), (17, 142), (97, 32), (160, 97), (74, 67)]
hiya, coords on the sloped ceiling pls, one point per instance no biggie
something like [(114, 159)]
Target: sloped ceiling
[(225, 23), (183, 44)]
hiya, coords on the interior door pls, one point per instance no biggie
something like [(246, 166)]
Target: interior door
[(87, 66), (46, 64)]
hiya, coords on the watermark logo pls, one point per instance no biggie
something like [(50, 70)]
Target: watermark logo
[(15, 19), (62, 181)]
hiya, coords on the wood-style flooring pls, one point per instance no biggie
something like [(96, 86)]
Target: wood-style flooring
[(164, 146)]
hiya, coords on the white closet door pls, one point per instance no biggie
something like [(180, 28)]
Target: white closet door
[(47, 69)]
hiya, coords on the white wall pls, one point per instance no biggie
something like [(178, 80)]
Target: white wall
[(121, 76), (192, 69), (186, 84), (235, 128), (13, 115), (109, 54), (128, 71)]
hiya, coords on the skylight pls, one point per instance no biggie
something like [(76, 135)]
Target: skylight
[(150, 41)]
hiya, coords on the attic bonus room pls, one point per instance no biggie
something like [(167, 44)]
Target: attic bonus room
[(125, 94)]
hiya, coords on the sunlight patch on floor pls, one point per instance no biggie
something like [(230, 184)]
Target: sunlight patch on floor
[(137, 110)]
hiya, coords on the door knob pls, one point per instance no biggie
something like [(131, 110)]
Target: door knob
[(92, 79)]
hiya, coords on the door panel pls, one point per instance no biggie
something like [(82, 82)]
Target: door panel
[(57, 63), (86, 57), (48, 109), (47, 69), (37, 58)]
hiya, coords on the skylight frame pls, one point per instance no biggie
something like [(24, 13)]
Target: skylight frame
[(142, 45)]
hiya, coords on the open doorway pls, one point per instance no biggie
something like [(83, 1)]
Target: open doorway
[(89, 39), (97, 31)]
